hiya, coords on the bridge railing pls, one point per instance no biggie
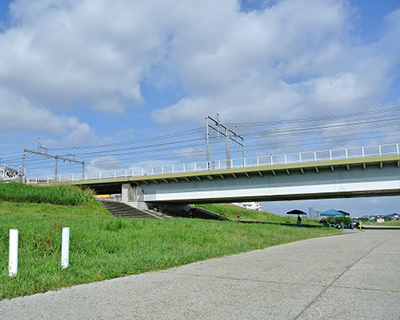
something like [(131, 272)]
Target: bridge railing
[(266, 160)]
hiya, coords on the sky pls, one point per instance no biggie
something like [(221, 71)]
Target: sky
[(128, 83)]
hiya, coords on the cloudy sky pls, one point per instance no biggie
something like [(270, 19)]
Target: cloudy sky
[(128, 83)]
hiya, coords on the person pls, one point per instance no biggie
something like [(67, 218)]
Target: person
[(238, 216), (298, 220)]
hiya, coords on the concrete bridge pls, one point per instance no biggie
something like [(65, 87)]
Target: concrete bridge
[(307, 178)]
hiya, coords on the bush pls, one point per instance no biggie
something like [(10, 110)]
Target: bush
[(339, 220)]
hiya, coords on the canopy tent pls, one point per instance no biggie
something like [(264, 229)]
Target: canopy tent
[(332, 213), (344, 213), (296, 212)]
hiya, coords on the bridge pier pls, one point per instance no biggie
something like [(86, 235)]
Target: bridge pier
[(133, 196)]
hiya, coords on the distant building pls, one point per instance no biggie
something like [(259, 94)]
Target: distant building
[(313, 213), (380, 220), (249, 205)]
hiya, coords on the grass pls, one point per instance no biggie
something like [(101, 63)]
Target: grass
[(107, 247), (60, 195), (230, 211), (20, 198), (104, 247), (393, 223)]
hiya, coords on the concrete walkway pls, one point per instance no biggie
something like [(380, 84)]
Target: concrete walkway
[(351, 276)]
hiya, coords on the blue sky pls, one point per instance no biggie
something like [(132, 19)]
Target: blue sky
[(129, 84)]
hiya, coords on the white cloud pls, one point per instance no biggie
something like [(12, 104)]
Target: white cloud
[(17, 113), (68, 53), (282, 58), (293, 53), (103, 163)]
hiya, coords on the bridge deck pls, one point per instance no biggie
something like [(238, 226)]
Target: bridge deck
[(113, 185)]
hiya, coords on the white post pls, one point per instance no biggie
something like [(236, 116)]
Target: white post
[(65, 248), (13, 253)]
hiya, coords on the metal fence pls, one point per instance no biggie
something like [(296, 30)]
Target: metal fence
[(268, 160)]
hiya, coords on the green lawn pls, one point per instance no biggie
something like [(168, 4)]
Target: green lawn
[(104, 247), (230, 211), (107, 247)]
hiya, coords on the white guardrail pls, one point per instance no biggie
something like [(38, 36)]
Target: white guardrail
[(302, 157)]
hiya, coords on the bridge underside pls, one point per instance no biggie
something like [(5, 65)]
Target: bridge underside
[(348, 178), (287, 197)]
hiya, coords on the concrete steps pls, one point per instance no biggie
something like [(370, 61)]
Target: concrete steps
[(119, 209)]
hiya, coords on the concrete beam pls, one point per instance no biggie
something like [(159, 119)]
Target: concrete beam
[(288, 172), (260, 173), (222, 177), (364, 166), (165, 180), (302, 170), (317, 169), (101, 183), (247, 175), (273, 172), (332, 168), (234, 175)]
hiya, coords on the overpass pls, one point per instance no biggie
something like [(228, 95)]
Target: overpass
[(339, 173)]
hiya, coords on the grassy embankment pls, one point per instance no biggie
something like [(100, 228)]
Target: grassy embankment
[(393, 223), (230, 211), (104, 247)]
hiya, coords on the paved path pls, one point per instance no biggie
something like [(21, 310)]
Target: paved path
[(351, 276)]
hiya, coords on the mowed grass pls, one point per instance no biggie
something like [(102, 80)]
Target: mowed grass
[(107, 247), (230, 211), (104, 247)]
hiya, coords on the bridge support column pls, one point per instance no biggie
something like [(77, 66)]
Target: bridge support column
[(133, 195)]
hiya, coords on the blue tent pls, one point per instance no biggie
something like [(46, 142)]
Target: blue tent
[(332, 213)]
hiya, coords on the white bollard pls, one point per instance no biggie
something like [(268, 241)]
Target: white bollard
[(13, 253), (65, 248)]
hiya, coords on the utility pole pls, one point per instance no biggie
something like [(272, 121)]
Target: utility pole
[(218, 127), (47, 155)]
